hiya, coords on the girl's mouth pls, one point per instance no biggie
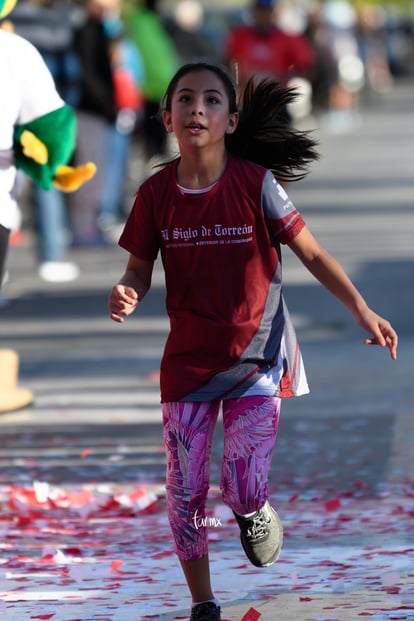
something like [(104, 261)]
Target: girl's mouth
[(195, 127)]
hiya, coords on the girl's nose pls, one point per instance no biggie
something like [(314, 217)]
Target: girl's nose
[(198, 106)]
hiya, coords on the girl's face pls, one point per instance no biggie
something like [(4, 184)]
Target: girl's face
[(199, 115)]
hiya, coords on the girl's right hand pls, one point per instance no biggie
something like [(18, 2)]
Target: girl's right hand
[(122, 302)]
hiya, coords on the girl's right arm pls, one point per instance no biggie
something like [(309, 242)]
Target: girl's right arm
[(131, 288)]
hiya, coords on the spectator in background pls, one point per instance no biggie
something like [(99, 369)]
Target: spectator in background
[(265, 50), (48, 26), (97, 113), (128, 75), (371, 36), (340, 21), (146, 29), (33, 119), (325, 70)]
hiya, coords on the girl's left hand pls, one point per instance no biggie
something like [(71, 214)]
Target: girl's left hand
[(383, 334)]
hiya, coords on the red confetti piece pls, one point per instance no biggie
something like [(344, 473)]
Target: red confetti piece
[(23, 521), (305, 599), (85, 453), (360, 485), (392, 590), (115, 565), (251, 615), (72, 551), (332, 505)]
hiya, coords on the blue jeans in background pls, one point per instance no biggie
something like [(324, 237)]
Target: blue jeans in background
[(111, 207), (51, 223)]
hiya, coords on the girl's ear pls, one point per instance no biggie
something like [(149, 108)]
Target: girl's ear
[(232, 122), (166, 119)]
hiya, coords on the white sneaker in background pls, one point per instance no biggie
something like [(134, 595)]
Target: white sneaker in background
[(58, 271)]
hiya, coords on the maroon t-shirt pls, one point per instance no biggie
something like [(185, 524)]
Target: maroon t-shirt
[(220, 252)]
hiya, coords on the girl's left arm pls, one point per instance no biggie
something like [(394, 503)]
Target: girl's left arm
[(333, 277)]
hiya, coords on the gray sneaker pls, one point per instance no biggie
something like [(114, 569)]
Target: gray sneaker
[(206, 611), (261, 536)]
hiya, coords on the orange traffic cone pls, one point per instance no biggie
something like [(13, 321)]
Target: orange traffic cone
[(11, 397)]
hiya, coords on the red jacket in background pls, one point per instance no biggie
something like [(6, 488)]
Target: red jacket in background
[(274, 53)]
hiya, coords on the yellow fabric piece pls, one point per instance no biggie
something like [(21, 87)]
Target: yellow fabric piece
[(69, 179), (33, 147)]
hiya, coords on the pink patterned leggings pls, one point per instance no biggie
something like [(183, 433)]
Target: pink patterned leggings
[(250, 428)]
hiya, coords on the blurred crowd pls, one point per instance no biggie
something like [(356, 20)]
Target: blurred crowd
[(112, 60)]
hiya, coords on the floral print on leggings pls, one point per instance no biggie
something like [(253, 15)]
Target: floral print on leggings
[(250, 428)]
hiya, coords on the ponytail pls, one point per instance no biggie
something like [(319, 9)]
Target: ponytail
[(263, 134)]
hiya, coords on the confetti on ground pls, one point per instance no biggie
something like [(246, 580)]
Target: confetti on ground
[(251, 615), (103, 552)]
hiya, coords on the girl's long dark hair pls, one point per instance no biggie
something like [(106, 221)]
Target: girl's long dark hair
[(263, 134)]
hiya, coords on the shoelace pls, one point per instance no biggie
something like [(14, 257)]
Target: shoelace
[(259, 527)]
